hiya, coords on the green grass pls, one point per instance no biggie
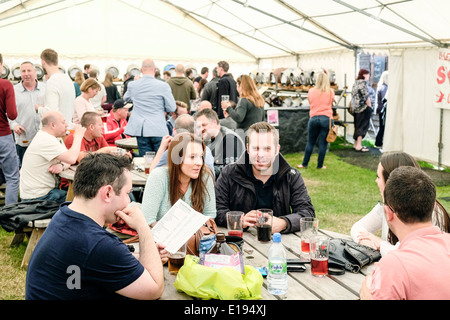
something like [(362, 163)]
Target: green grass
[(341, 195)]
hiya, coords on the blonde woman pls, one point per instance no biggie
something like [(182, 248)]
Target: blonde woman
[(321, 99), (250, 108), (89, 89), (112, 94)]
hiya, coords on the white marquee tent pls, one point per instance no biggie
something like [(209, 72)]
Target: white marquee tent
[(253, 35)]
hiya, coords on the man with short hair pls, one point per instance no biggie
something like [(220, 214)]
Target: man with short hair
[(28, 92), (226, 145), (93, 140), (225, 86), (116, 122), (418, 268), (183, 123), (182, 87), (59, 91), (87, 68), (77, 258), (262, 178), (8, 156), (151, 100), (209, 92), (47, 156)]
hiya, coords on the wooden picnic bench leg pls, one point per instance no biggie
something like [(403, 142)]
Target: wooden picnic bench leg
[(69, 196), (32, 242)]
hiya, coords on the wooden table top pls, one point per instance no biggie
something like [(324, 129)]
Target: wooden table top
[(129, 143), (301, 285), (139, 177)]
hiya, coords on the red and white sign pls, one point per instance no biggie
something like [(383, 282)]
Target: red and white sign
[(442, 81)]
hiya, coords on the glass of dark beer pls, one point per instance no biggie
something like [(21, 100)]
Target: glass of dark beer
[(264, 225), (176, 259)]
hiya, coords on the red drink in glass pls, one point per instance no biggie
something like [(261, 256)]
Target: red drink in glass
[(319, 267), (236, 233), (305, 246)]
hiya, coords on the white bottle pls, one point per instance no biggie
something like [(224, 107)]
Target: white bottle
[(277, 271)]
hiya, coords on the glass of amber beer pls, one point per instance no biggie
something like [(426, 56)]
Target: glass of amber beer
[(176, 259)]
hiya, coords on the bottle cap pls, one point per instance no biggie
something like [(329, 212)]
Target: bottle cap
[(276, 237)]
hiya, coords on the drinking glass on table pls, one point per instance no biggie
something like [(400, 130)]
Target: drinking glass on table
[(176, 259), (235, 223), (264, 224), (319, 248), (308, 228), (148, 159)]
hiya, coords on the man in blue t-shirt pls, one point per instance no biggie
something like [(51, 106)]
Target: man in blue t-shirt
[(77, 258)]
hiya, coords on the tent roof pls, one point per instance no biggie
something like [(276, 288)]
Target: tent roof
[(236, 30)]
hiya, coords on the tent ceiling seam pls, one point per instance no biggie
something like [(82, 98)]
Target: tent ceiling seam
[(194, 14), (436, 43), (257, 29), (293, 25)]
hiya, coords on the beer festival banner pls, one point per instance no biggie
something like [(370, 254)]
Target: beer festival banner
[(442, 80)]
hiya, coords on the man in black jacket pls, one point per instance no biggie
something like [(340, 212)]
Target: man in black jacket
[(225, 86), (262, 178)]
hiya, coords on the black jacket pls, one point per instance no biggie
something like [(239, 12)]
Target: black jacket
[(235, 192), (225, 86)]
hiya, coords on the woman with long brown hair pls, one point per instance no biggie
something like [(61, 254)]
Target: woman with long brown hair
[(250, 107), (363, 230), (186, 178)]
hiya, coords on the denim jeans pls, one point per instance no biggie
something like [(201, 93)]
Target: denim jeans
[(56, 194), (10, 167), (148, 144), (318, 127)]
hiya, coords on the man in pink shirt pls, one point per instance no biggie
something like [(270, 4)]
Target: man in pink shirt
[(418, 269)]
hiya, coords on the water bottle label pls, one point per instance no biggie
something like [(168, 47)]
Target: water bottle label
[(277, 268)]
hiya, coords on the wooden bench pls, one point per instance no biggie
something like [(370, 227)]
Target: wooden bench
[(37, 229)]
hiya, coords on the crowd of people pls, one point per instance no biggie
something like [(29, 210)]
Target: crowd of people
[(218, 155)]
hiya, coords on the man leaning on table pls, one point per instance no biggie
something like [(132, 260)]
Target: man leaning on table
[(262, 178), (46, 156), (418, 269), (85, 261)]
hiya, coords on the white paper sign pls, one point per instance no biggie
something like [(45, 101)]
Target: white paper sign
[(178, 225), (442, 81)]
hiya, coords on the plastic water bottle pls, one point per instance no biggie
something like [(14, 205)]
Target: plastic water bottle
[(277, 270)]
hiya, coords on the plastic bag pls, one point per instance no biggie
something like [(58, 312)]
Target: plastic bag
[(225, 284)]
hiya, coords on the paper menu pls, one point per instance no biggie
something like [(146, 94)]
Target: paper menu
[(178, 225)]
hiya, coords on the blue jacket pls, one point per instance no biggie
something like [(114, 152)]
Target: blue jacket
[(151, 99)]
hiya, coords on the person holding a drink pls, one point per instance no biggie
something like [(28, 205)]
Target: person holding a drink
[(262, 179)]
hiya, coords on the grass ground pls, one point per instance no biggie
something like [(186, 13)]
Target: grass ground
[(341, 195)]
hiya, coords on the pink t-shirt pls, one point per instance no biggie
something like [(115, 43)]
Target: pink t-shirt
[(417, 270), (320, 103), (80, 107)]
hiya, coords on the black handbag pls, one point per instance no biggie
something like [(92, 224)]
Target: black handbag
[(349, 255)]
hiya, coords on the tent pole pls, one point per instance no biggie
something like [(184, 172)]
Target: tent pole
[(440, 146)]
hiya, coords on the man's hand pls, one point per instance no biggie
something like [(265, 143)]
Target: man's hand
[(79, 132), (250, 219), (133, 217), (278, 224), (19, 130), (163, 253), (56, 168)]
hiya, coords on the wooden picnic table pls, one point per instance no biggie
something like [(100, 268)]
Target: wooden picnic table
[(128, 143), (301, 285), (139, 179)]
